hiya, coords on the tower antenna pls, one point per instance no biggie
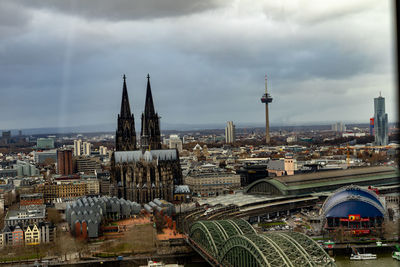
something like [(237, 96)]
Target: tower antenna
[(266, 99)]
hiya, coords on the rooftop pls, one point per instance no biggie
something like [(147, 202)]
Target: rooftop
[(39, 213), (336, 174), (137, 155), (239, 199), (324, 181)]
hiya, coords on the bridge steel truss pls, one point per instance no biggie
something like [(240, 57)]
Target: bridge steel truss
[(236, 243)]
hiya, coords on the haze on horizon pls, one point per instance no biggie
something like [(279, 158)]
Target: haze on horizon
[(61, 62)]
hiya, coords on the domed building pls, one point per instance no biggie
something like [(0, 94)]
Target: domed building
[(353, 210)]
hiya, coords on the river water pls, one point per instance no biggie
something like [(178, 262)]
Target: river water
[(383, 260)]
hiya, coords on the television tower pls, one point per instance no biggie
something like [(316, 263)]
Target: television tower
[(266, 98)]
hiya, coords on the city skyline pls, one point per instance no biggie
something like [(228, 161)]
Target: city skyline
[(62, 63)]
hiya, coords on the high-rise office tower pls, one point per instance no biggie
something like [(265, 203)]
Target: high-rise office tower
[(338, 127), (64, 162), (175, 142), (102, 150), (230, 133), (381, 127), (77, 147), (87, 148)]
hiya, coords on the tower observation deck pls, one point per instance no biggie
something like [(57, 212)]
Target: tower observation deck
[(266, 99)]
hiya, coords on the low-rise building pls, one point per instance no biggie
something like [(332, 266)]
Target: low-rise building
[(31, 199), (41, 157), (281, 167), (93, 186), (18, 236), (182, 193), (105, 184), (86, 214), (2, 241), (1, 204), (47, 232), (25, 217), (212, 183), (25, 169), (8, 173), (175, 142), (51, 192), (87, 165), (32, 235), (6, 236)]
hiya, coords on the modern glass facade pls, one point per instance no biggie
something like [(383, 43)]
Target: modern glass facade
[(45, 143), (380, 122)]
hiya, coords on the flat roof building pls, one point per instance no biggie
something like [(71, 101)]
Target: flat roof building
[(25, 217), (40, 157), (212, 183)]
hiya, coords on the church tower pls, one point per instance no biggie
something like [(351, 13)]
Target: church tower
[(150, 136), (125, 136)]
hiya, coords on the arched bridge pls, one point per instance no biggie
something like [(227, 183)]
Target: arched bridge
[(236, 243)]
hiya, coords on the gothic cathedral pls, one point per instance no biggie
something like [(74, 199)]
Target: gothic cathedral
[(150, 172)]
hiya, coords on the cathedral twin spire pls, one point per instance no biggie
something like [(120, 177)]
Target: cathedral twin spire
[(150, 133), (125, 108), (150, 137)]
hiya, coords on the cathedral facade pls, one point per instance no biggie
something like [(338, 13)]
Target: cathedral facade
[(142, 173)]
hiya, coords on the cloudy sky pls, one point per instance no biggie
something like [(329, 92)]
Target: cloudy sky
[(61, 62)]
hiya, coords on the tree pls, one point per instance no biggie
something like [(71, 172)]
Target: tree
[(390, 214), (159, 222), (222, 164), (48, 162), (53, 216)]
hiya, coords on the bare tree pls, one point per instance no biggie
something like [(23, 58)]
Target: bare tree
[(159, 222), (53, 216)]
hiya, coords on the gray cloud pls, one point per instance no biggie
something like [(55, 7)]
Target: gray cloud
[(13, 19), (120, 10), (64, 68), (311, 12)]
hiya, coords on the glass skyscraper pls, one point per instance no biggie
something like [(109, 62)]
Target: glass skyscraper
[(380, 122)]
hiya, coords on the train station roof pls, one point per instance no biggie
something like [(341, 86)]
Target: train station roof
[(239, 199), (324, 181), (322, 176)]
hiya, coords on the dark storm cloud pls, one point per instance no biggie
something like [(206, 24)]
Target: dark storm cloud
[(62, 65), (120, 10)]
